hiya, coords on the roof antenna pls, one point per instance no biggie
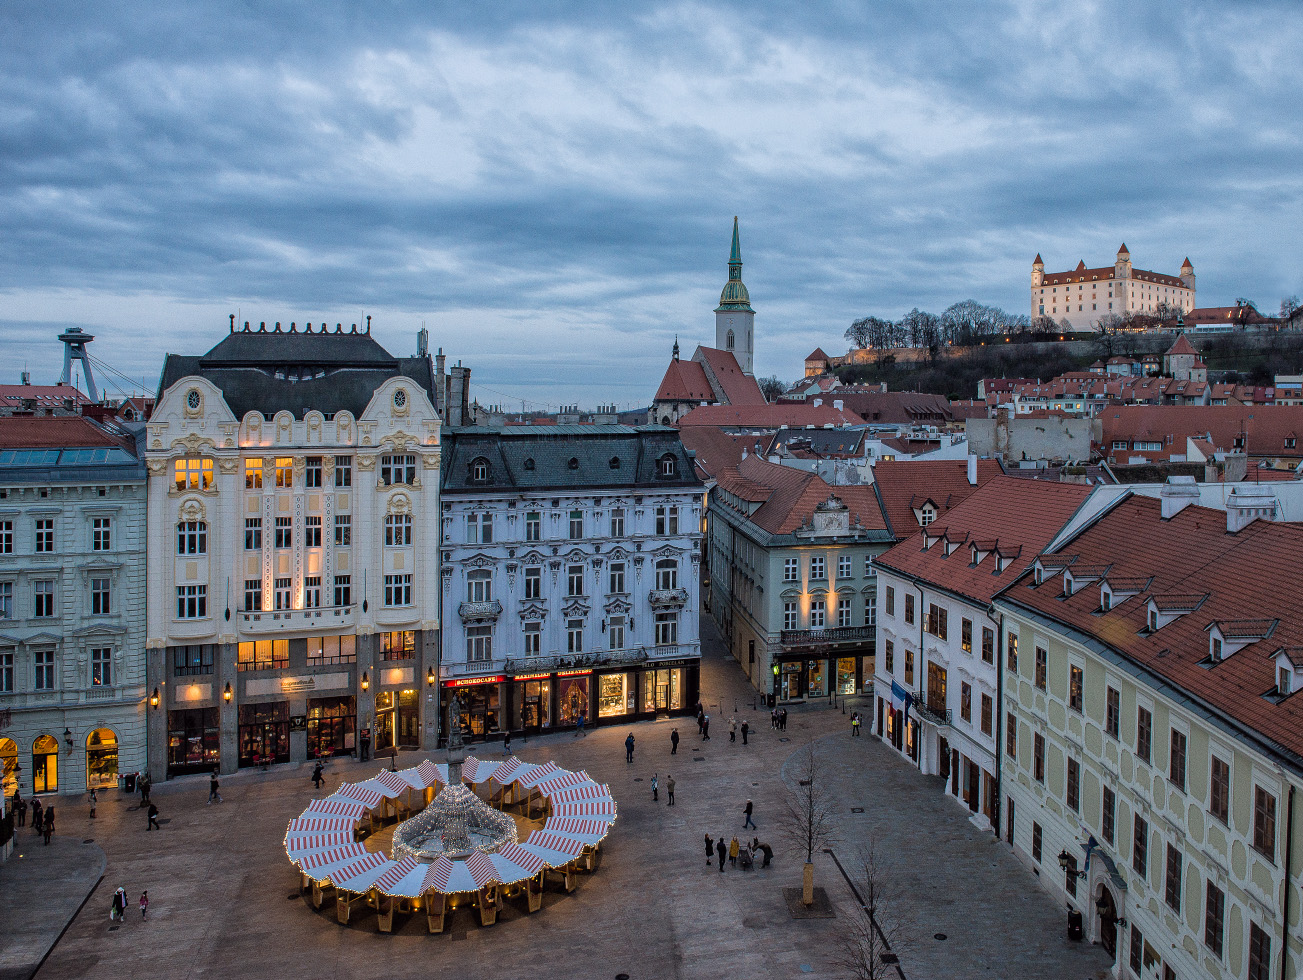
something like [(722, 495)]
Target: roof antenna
[(232, 323), (368, 323)]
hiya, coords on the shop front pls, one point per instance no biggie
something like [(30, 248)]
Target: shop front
[(665, 687), (481, 705), (193, 741), (264, 733), (332, 726), (101, 759), (530, 700), (800, 676), (398, 723), (45, 765)]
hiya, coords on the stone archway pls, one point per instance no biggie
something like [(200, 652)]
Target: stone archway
[(101, 759)]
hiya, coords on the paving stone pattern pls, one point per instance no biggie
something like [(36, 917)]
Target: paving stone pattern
[(220, 885)]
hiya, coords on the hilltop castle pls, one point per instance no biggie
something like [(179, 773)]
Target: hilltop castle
[(1084, 296)]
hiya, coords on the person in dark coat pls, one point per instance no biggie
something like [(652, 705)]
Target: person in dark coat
[(212, 788), (745, 729), (748, 811), (153, 818), (628, 748), (20, 808), (49, 823), (710, 849), (669, 788), (317, 775), (145, 783), (721, 849), (674, 742), (38, 824), (705, 728)]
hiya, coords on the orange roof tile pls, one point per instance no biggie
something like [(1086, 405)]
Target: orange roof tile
[(903, 485), (684, 381)]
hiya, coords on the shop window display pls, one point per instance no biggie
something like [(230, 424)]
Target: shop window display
[(614, 695), (264, 733), (572, 700), (101, 758), (193, 740), (533, 705), (331, 727), (846, 675), (662, 689), (818, 686)]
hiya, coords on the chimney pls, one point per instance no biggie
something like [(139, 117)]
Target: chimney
[(817, 402), (972, 469), (440, 390), (456, 397), (744, 452), (837, 404), (1248, 503), (27, 377), (1177, 494)]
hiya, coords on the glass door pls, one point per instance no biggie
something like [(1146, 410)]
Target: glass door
[(45, 765)]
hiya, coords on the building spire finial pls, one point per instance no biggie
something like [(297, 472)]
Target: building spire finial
[(676, 347), (735, 256)]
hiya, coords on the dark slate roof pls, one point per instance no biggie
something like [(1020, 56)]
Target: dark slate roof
[(340, 371), (637, 448)]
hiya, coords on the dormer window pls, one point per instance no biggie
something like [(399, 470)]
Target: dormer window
[(1105, 599), (667, 466), (1039, 575), (480, 470), (1290, 442), (927, 515), (529, 463), (1067, 585), (1153, 620), (1284, 679), (615, 462), (1215, 650)]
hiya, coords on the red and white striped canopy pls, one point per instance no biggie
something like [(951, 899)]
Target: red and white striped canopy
[(366, 795), (320, 864), (393, 782), (538, 774), (337, 806), (320, 825), (579, 794), (554, 784)]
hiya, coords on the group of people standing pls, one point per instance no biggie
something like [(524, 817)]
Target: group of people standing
[(42, 816), (778, 719)]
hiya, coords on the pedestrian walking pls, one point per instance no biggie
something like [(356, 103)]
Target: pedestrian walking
[(364, 743), (656, 789), (38, 819), (710, 850), (705, 728), (628, 748), (20, 809), (318, 775), (674, 741), (144, 905), (580, 730), (746, 727), (733, 849), (93, 800), (782, 720), (146, 784), (49, 824), (212, 788), (732, 729), (119, 908), (748, 822), (701, 720), (721, 850), (506, 744), (855, 723), (153, 819), (669, 789)]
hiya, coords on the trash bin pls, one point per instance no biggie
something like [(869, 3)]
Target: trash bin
[(773, 700), (129, 782), (1074, 924)]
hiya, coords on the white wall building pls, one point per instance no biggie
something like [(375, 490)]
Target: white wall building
[(1084, 296)]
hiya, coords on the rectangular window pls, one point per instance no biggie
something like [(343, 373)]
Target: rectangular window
[(332, 650), (252, 595), (844, 568), (398, 645), (1038, 757), (1264, 823), (284, 532), (1214, 918), (1108, 816), (192, 538), (343, 530), (284, 473), (43, 598), (253, 474), (343, 472), (1172, 889), (1072, 796), (281, 592), (988, 710), (890, 655), (891, 601), (43, 662), (1140, 847), (909, 608), (100, 600), (1144, 733), (791, 570), (615, 635), (6, 537), (1036, 842), (574, 636), (909, 666), (101, 667), (1176, 772), (576, 525), (533, 638), (343, 590), (312, 592), (1042, 667), (869, 570), (479, 586), (1219, 790), (6, 600), (101, 534), (312, 532), (667, 520), (574, 580), (193, 473), (398, 530), (533, 526), (966, 635), (190, 660), (818, 570), (1259, 953), (1075, 682), (667, 628), (966, 701), (1011, 651), (253, 534), (191, 601), (1137, 950), (44, 535), (398, 590), (817, 614), (617, 522), (312, 473), (397, 470), (937, 624), (7, 671), (534, 581), (988, 645), (617, 578), (843, 612), (263, 655), (789, 616), (1112, 711), (871, 608), (1011, 736)]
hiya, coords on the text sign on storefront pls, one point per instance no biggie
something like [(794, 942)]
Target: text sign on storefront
[(531, 677), (665, 664), (298, 723), (468, 681), (293, 685), (572, 673)]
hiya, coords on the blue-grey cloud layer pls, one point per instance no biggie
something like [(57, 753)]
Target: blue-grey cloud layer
[(550, 186)]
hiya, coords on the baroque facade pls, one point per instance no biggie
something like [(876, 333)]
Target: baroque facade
[(293, 610), (570, 562), (1083, 297), (72, 605)]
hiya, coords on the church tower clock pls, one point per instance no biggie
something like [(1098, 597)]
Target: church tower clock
[(734, 318)]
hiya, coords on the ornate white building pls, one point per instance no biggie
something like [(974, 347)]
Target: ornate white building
[(571, 559), (72, 605), (292, 578), (1084, 296)]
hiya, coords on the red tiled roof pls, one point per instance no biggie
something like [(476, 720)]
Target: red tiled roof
[(738, 388), (53, 432), (1082, 274), (1266, 426), (684, 381), (45, 396), (1005, 513), (793, 414), (717, 450), (790, 495), (903, 485), (817, 355), (896, 406), (1182, 346), (1253, 570), (1222, 314)]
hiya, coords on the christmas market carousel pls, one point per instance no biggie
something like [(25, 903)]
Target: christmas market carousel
[(463, 833)]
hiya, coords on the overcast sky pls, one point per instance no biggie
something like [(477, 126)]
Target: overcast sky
[(550, 187)]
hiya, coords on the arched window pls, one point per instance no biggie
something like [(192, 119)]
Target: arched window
[(728, 342), (101, 758), (479, 586), (480, 469), (45, 765), (667, 574), (9, 762), (667, 466)]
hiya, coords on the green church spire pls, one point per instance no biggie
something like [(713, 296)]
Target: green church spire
[(734, 295)]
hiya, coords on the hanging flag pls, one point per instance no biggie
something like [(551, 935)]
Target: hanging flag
[(897, 695), (909, 699)]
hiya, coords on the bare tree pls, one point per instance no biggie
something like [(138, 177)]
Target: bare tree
[(771, 387), (870, 944), (809, 824), (1289, 309)]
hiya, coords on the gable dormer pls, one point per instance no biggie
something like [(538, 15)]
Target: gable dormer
[(1168, 608), (1289, 670), (1047, 566), (1117, 589), (953, 542), (1076, 577), (931, 535), (1229, 636), (979, 549)]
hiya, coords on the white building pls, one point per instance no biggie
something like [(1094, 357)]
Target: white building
[(571, 559), (1084, 296), (72, 605), (293, 550)]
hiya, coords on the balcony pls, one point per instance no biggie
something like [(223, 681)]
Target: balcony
[(827, 637), (667, 598), (264, 622), (480, 612), (941, 717)]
